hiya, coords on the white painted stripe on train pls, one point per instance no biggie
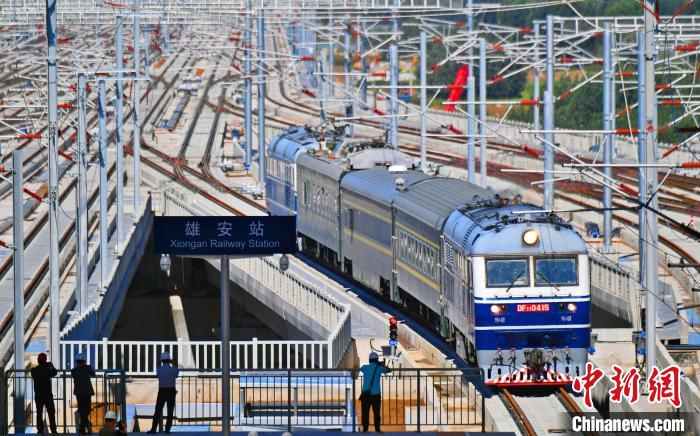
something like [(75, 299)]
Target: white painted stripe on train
[(534, 327)]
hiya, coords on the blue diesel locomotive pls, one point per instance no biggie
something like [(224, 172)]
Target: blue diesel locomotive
[(506, 283)]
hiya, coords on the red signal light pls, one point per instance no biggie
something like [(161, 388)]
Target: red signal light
[(393, 329)]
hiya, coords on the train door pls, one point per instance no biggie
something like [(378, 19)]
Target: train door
[(393, 286), (469, 296), (339, 216), (444, 322)]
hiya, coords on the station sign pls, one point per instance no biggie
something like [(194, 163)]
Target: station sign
[(224, 235)]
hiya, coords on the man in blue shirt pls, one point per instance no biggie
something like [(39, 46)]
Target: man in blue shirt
[(371, 395), (167, 374)]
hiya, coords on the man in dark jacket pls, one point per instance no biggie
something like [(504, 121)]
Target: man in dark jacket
[(43, 397), (83, 391)]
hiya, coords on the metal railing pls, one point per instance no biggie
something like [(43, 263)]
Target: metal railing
[(428, 399), (412, 399), (329, 317), (323, 308), (17, 386)]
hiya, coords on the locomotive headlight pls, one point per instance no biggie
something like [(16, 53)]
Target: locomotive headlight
[(571, 307), (497, 309), (531, 236)]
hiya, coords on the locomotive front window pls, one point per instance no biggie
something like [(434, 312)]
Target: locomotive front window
[(557, 271), (507, 272)]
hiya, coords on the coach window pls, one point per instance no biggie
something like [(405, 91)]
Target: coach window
[(504, 273), (306, 192), (467, 273)]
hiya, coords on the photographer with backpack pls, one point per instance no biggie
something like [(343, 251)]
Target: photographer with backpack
[(371, 395)]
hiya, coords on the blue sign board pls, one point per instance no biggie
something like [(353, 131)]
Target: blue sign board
[(224, 235)]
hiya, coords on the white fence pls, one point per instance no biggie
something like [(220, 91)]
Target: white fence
[(576, 142), (573, 142), (142, 357), (622, 288), (314, 302)]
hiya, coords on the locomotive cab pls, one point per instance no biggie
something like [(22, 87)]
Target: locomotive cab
[(531, 294)]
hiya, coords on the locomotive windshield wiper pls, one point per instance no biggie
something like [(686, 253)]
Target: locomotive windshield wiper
[(515, 279), (548, 281)]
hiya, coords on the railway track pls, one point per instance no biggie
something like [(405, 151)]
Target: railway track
[(177, 173), (34, 282), (64, 147), (182, 153), (179, 166), (553, 408), (571, 406), (205, 163), (516, 412), (568, 402), (687, 205), (494, 169)]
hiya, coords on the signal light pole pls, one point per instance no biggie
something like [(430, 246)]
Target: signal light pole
[(393, 334)]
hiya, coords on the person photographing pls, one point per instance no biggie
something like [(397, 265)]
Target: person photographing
[(371, 395), (82, 389), (167, 376)]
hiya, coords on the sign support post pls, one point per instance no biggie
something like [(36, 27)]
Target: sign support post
[(225, 349)]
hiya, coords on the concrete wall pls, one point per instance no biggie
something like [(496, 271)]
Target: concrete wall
[(101, 318), (286, 320), (272, 316), (689, 394)]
